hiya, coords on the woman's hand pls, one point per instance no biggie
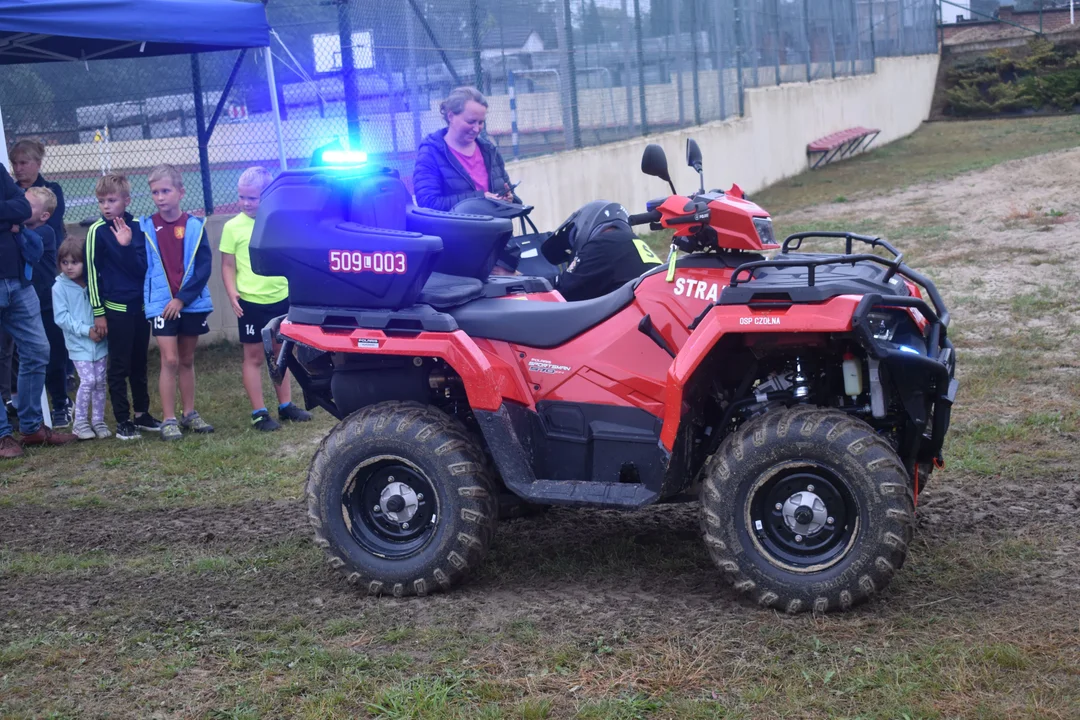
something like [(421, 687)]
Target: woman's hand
[(501, 198)]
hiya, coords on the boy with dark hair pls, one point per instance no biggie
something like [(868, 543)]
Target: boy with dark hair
[(42, 205), (256, 300), (115, 273), (176, 297)]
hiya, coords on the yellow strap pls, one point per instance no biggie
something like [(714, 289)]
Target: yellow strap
[(673, 257)]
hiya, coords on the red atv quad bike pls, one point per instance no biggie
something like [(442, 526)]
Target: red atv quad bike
[(803, 399)]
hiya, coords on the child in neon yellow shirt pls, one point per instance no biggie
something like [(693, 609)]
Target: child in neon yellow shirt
[(256, 300)]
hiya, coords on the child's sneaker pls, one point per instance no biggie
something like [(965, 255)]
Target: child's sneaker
[(61, 417), (101, 430), (195, 423), (146, 421), (263, 422), (293, 413), (170, 431), (126, 431), (83, 431)]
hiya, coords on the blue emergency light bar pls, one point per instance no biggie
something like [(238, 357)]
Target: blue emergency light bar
[(344, 157)]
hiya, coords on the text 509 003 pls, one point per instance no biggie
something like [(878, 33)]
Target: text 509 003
[(380, 263)]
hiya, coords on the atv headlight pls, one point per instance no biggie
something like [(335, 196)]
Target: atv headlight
[(882, 325), (765, 230)]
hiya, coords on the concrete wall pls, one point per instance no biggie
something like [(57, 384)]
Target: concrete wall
[(755, 151), (255, 140), (765, 146)]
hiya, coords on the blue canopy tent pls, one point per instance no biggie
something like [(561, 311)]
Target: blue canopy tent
[(33, 31)]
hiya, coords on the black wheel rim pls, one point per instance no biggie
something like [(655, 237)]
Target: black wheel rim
[(382, 525), (804, 518)]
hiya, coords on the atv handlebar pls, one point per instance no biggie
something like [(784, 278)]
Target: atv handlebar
[(653, 216)]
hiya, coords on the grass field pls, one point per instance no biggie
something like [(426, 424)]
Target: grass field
[(180, 581)]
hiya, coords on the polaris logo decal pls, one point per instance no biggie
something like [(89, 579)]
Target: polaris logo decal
[(703, 215), (697, 289), (367, 344), (547, 367)]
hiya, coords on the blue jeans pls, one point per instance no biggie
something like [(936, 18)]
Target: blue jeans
[(20, 317)]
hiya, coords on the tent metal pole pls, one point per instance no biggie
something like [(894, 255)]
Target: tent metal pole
[(200, 129), (348, 73), (274, 107), (3, 141), (225, 93)]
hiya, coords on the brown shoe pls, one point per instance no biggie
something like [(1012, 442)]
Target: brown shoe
[(10, 448), (45, 436)]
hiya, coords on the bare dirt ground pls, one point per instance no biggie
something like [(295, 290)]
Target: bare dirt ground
[(198, 608)]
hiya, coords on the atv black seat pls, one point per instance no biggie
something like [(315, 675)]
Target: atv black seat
[(539, 324), (787, 285), (503, 285), (448, 291), (471, 243)]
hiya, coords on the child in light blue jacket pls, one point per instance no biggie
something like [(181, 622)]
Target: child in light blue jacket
[(86, 346)]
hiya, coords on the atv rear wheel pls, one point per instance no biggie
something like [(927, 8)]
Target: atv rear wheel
[(807, 509), (401, 499)]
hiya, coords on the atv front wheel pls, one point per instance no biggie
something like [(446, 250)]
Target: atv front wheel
[(807, 509), (401, 499)]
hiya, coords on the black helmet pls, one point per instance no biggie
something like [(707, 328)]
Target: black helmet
[(491, 208), (579, 228)]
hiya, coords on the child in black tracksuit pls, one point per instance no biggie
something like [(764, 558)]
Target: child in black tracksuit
[(115, 273)]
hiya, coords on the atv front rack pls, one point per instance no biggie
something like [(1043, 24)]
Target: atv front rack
[(740, 292)]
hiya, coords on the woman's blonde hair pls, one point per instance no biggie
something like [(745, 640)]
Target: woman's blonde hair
[(454, 104), (32, 149)]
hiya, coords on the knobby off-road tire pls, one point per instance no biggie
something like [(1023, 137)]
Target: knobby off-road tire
[(860, 510), (435, 469)]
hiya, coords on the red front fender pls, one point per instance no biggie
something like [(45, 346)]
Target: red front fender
[(829, 317)]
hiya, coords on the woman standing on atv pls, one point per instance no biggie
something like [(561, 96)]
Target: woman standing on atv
[(456, 163)]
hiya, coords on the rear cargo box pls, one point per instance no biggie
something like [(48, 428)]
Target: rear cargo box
[(338, 235)]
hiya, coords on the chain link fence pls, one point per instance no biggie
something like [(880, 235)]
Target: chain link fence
[(559, 74)]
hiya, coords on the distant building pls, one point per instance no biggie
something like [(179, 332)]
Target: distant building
[(956, 11), (1010, 23), (980, 9), (506, 42)]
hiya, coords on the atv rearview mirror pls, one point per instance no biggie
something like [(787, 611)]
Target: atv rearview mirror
[(693, 159), (654, 162), (693, 154)]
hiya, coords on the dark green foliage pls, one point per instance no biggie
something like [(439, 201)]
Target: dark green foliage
[(1039, 77)]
